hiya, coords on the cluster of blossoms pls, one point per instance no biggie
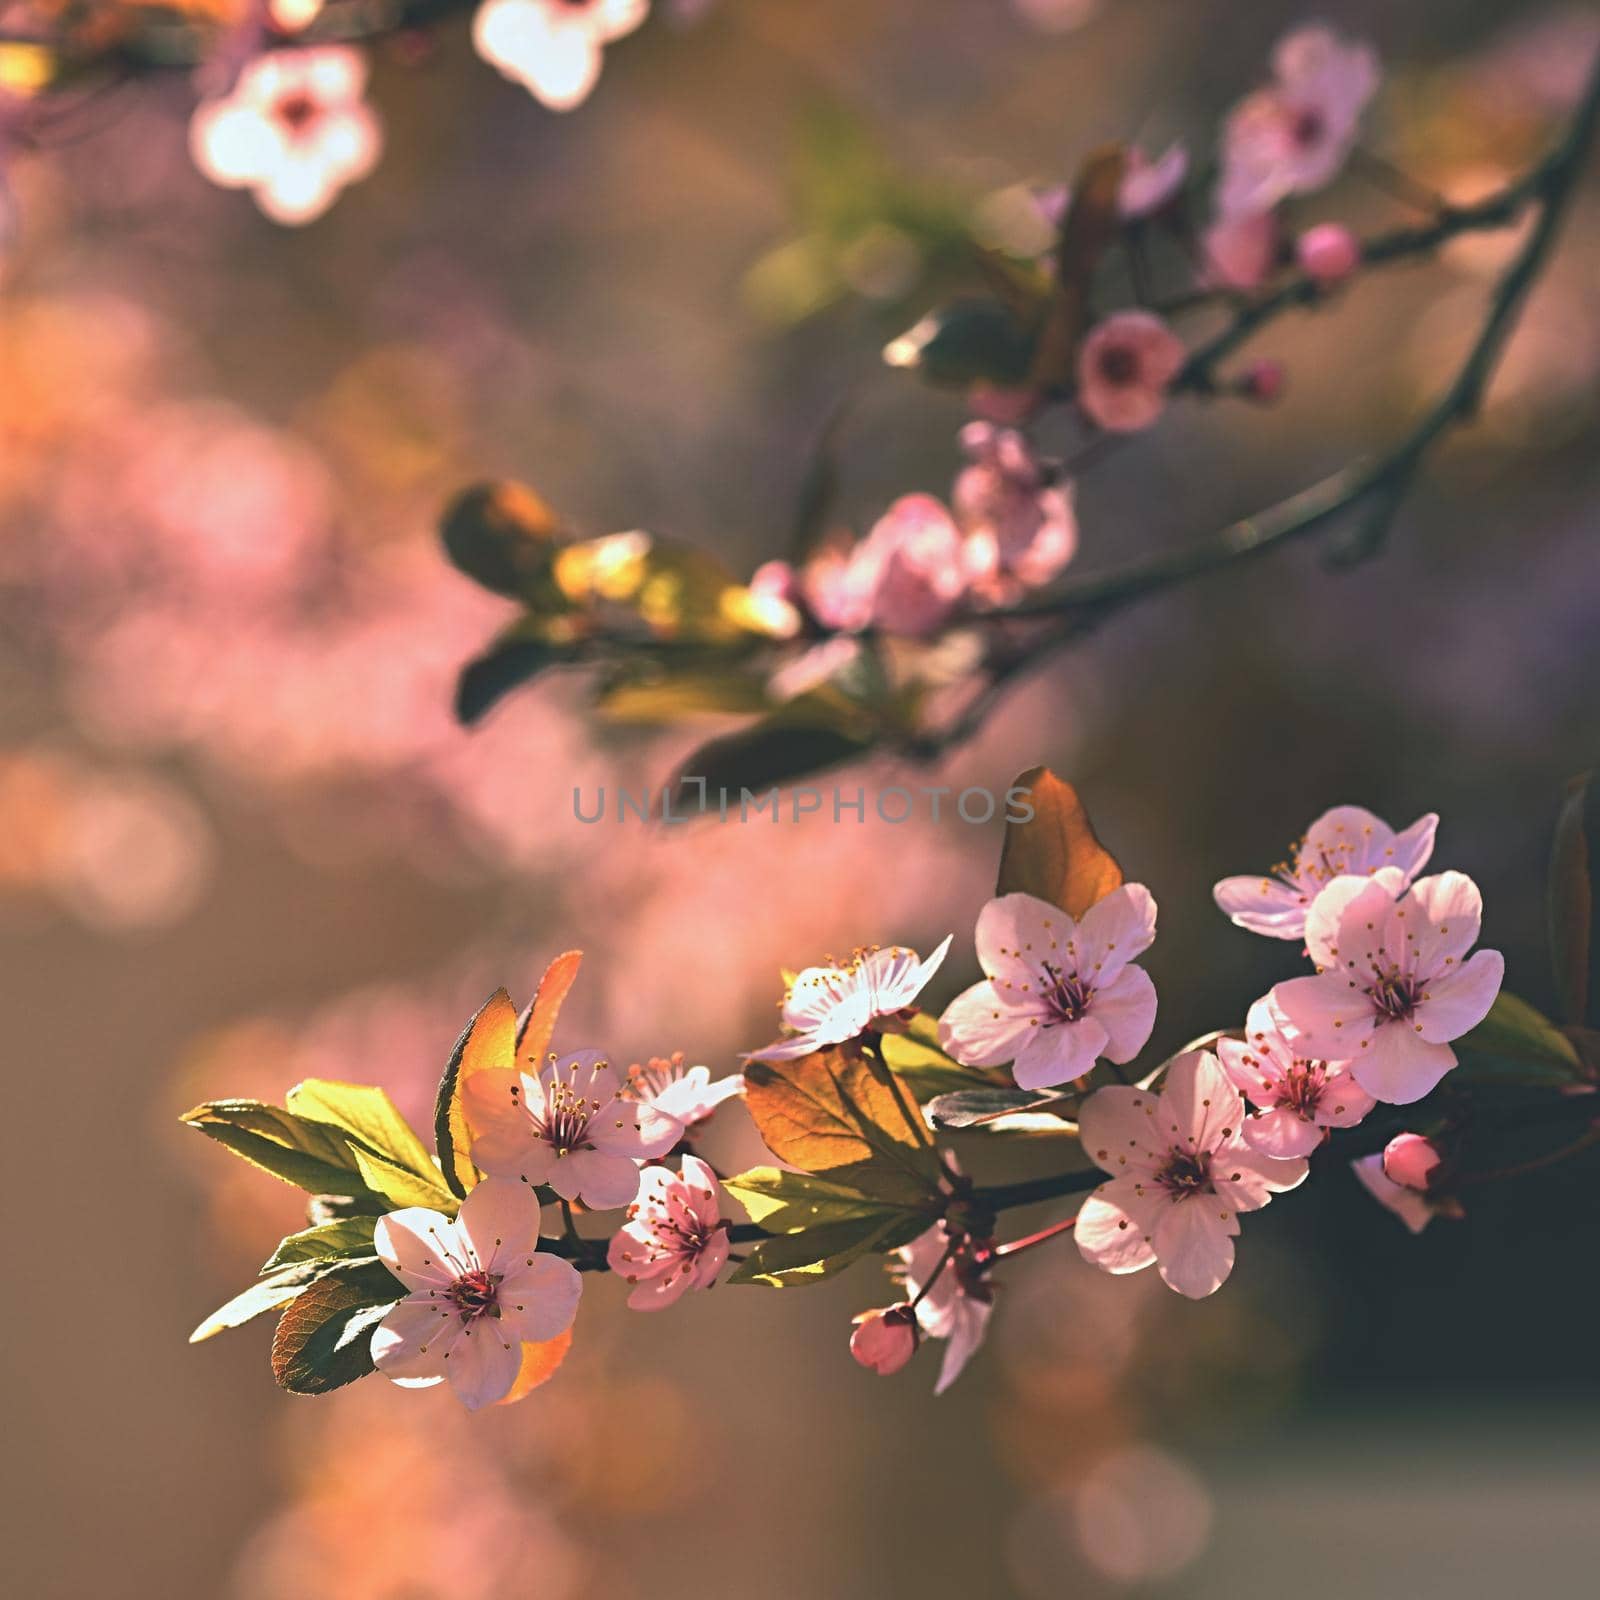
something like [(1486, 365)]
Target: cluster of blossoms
[(1173, 1156)]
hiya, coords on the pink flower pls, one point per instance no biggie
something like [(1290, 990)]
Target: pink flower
[(553, 48), (1413, 1209), (1181, 1173), (828, 1005), (1147, 186), (914, 554), (480, 1288), (957, 1305), (1293, 136), (1263, 381), (1348, 841), (886, 1339), (294, 131), (1020, 527), (1060, 992), (1411, 1160), (568, 1127), (1124, 369), (1240, 252), (838, 587), (686, 1094), (674, 1238), (1297, 1099), (1392, 988), (1329, 252)]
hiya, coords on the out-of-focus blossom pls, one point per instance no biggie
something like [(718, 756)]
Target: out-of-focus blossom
[(480, 1289), (1148, 186), (885, 1339), (957, 1305), (553, 48), (1293, 136), (686, 1094), (1060, 992), (1124, 369), (1263, 381), (1181, 1173), (674, 1238), (914, 553), (839, 586), (828, 1005), (1412, 1208), (567, 1126), (1393, 985), (294, 131), (1297, 1099), (1411, 1159), (1346, 841), (1240, 252), (776, 593), (1020, 527), (1056, 16), (990, 402), (1329, 252)]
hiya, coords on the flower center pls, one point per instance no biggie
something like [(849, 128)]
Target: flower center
[(1067, 997), (566, 1118), (1119, 365), (296, 111), (1394, 996), (474, 1294), (1302, 1087), (1187, 1173), (1308, 127)]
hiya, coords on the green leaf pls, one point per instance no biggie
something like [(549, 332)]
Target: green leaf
[(259, 1297), (504, 536), (925, 1069), (1054, 855), (366, 1111), (520, 654), (965, 342), (324, 1338), (1517, 1035), (400, 1186), (313, 1155), (761, 757), (813, 1254), (840, 1116), (348, 1236), (649, 693), (975, 1108), (1574, 907), (789, 1202)]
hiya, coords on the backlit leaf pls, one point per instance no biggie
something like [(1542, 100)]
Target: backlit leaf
[(1517, 1036), (347, 1236), (324, 1338), (1055, 856), (539, 1363), (366, 1111), (789, 1202), (488, 1041), (537, 1025), (314, 1155), (504, 536), (810, 1256)]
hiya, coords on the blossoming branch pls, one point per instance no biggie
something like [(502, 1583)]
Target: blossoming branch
[(1398, 1052)]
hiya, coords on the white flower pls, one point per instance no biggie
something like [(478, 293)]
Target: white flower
[(686, 1094), (553, 48)]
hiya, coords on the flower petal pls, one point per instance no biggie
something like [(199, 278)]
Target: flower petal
[(1199, 1107), (1126, 1009), (483, 1363), (1116, 1224), (420, 1248), (980, 1028), (1118, 1130), (1282, 1134), (500, 1219), (1194, 1246), (1400, 1066), (1324, 1017), (1345, 909), (602, 1182), (1114, 930), (1247, 1178), (538, 1297), (1263, 905), (1059, 1053), (1018, 932), (410, 1344), (967, 1330), (1454, 910), (1458, 1001)]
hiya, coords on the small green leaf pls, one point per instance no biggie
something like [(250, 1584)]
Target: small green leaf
[(366, 1111), (965, 342), (813, 1254), (975, 1108), (348, 1236), (259, 1297), (402, 1187), (788, 1202), (1516, 1035), (313, 1155), (324, 1338), (925, 1069)]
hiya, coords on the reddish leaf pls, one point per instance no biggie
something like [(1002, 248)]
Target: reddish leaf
[(1055, 856), (539, 1363)]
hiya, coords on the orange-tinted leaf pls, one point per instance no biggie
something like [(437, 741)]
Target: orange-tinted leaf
[(539, 1363), (505, 536), (1573, 946), (538, 1023), (1055, 856), (489, 1041), (1091, 223), (837, 1114)]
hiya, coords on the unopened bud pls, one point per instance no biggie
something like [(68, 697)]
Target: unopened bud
[(1329, 252), (1263, 381), (885, 1339), (1410, 1160)]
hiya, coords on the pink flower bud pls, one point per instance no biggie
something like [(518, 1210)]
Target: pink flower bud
[(1263, 380), (776, 580), (885, 1339), (1410, 1160), (1328, 252)]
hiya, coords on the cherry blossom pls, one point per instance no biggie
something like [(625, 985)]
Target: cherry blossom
[(885, 1339), (480, 1289), (1411, 1159), (553, 48), (686, 1094), (1060, 992), (1393, 985), (294, 131), (1345, 841), (1148, 186), (674, 1238), (1181, 1173), (1240, 252), (568, 1126), (1124, 369), (951, 1297), (828, 1005), (913, 558), (1329, 252), (1020, 526), (1293, 136), (1296, 1099)]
